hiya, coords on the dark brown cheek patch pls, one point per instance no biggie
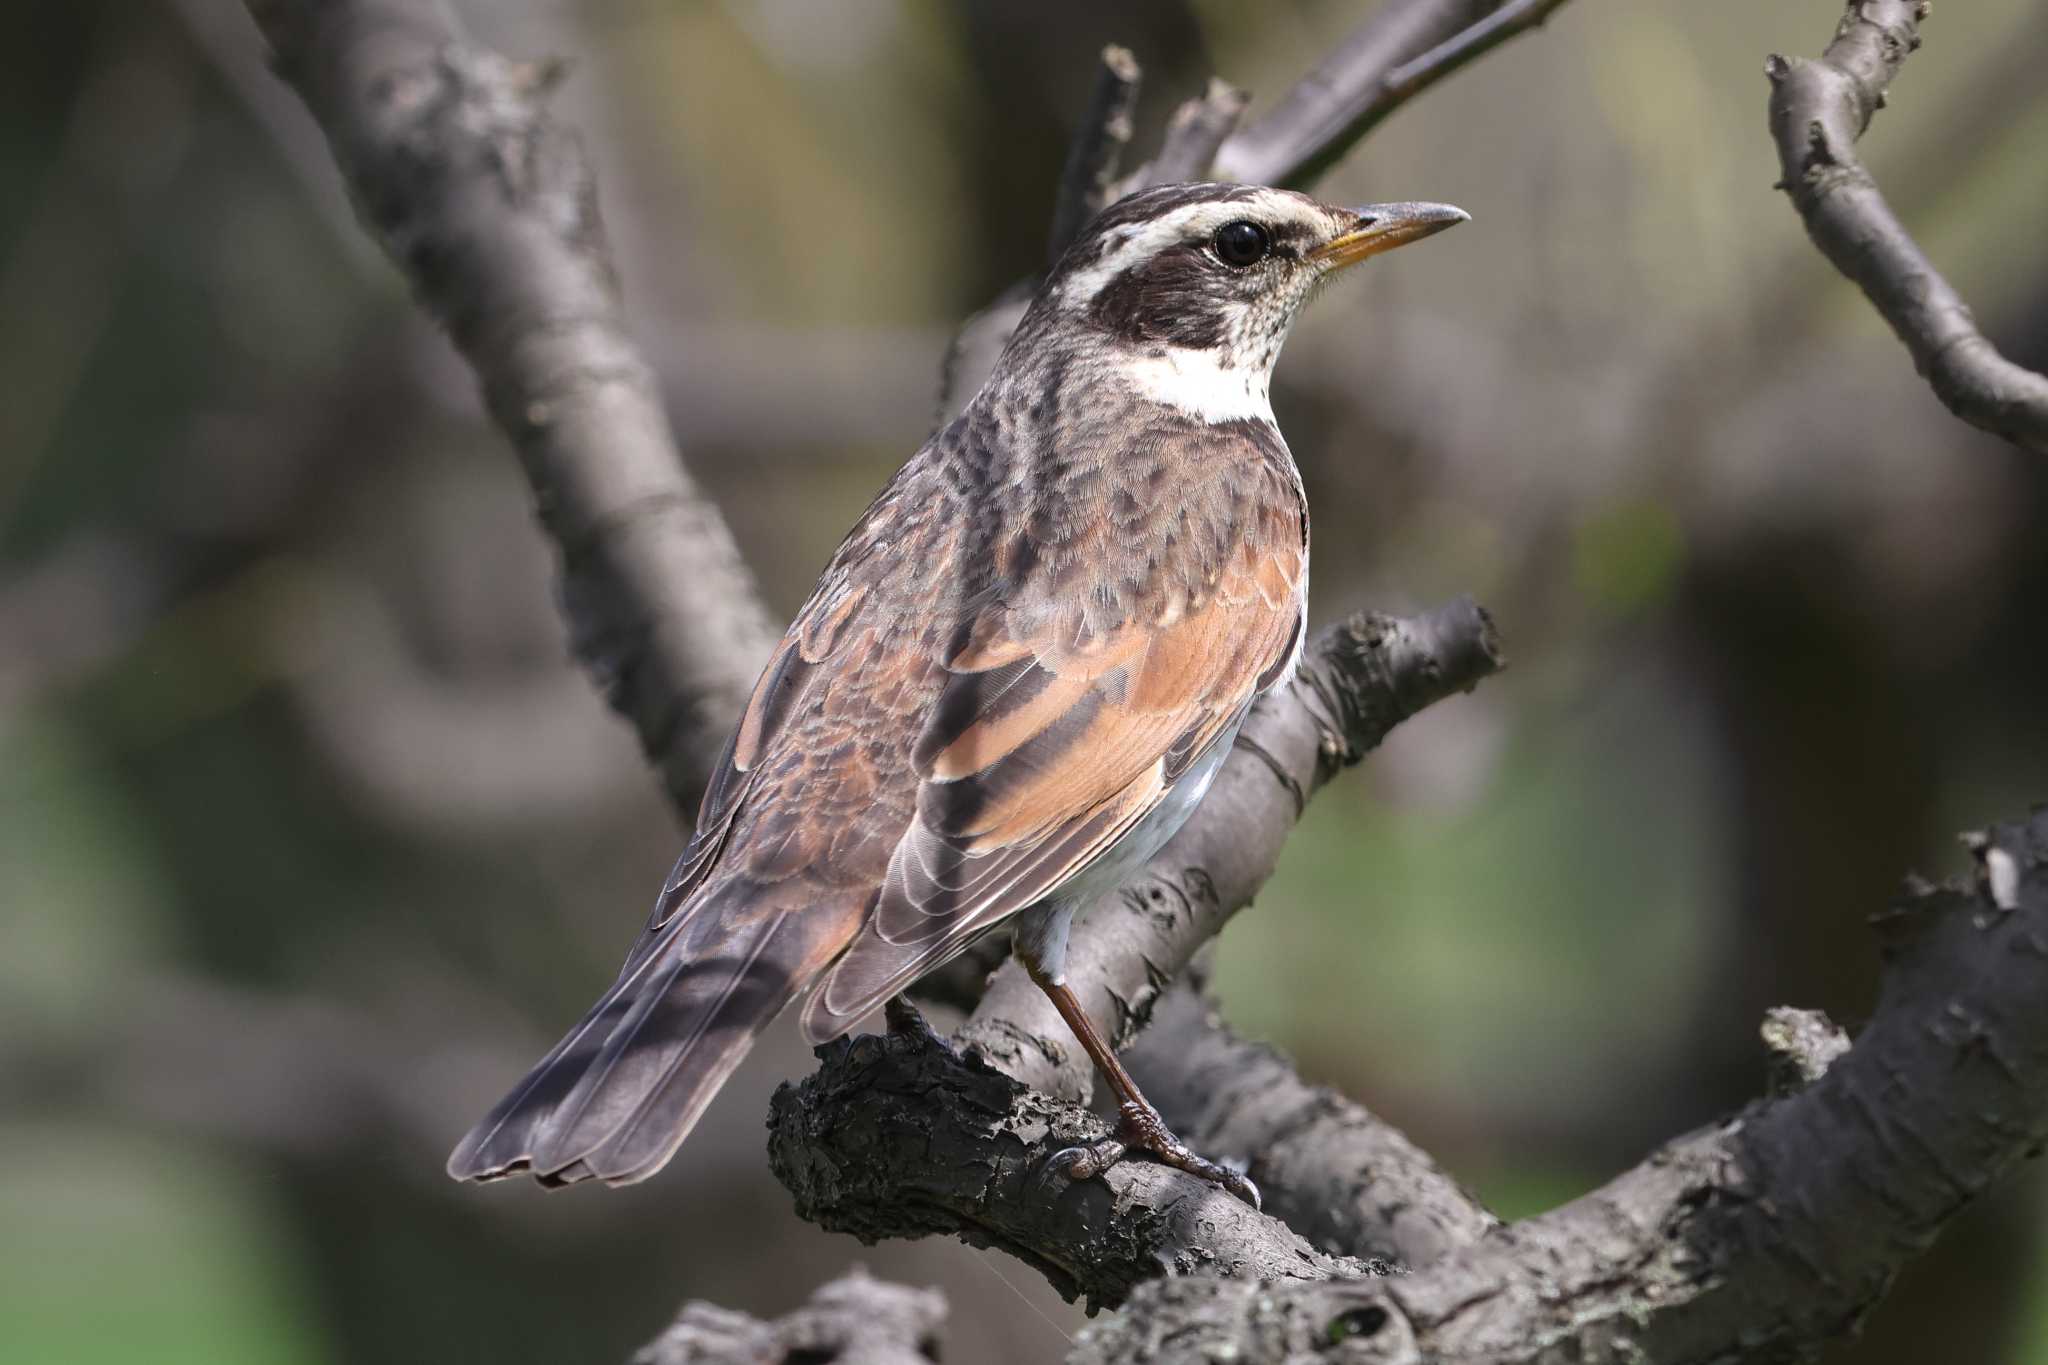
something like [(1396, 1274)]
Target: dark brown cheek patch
[(1177, 298)]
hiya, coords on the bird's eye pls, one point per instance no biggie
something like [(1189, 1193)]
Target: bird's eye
[(1242, 244)]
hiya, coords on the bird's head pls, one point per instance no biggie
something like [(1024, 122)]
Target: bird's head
[(1195, 286)]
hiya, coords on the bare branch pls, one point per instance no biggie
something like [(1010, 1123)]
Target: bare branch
[(899, 1136), (1098, 148), (1195, 134), (1343, 1178), (1358, 680), (488, 206), (1388, 60), (1758, 1238), (1818, 110), (855, 1319)]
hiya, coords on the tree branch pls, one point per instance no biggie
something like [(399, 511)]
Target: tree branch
[(1343, 1178), (899, 1136), (1195, 134), (1388, 60), (1818, 110), (1759, 1237), (855, 1320), (1087, 183), (488, 206)]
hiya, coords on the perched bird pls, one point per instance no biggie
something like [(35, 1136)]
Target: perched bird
[(1014, 681)]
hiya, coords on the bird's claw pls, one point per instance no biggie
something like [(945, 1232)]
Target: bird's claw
[(1142, 1130)]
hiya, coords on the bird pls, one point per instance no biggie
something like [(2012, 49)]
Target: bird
[(1015, 679)]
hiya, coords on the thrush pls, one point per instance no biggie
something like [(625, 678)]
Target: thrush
[(1014, 681)]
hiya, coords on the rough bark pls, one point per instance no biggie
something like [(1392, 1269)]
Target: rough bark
[(1345, 1179), (1759, 1238), (854, 1320), (898, 1135), (488, 207), (1818, 110)]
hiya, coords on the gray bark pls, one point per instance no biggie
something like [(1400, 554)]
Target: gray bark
[(1759, 1238), (1818, 109), (854, 1320), (488, 207)]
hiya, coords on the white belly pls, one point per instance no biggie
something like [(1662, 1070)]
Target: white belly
[(1042, 930)]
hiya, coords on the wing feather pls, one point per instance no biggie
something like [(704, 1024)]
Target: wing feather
[(1053, 737)]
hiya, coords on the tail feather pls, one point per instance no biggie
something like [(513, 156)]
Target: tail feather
[(615, 1098)]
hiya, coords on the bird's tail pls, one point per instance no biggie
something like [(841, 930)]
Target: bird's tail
[(618, 1095)]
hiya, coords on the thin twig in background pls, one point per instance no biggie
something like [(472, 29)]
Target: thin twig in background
[(1086, 183), (488, 206), (1818, 109), (1387, 61), (1195, 134), (1401, 51)]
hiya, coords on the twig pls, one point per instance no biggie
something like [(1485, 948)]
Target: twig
[(1359, 679), (1195, 134), (1758, 1238), (1392, 57), (1818, 110), (1097, 149), (488, 206)]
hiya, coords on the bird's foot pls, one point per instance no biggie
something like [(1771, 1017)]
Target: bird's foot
[(905, 1020), (1141, 1129)]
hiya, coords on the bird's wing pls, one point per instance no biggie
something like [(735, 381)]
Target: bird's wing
[(1053, 737)]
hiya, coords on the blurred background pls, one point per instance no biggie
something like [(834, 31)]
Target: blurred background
[(311, 837)]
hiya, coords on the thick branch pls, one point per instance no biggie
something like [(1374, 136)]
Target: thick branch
[(488, 206), (1818, 109), (1758, 1238), (855, 1320), (1358, 680), (1343, 1178), (1388, 60), (899, 1136)]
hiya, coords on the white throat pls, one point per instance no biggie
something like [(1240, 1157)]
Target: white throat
[(1198, 384)]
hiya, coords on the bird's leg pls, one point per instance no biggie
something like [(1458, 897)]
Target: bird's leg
[(1139, 1125)]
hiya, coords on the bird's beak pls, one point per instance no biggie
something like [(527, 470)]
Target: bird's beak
[(1382, 227)]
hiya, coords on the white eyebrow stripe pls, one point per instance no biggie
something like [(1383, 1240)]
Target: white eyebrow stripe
[(1140, 241)]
